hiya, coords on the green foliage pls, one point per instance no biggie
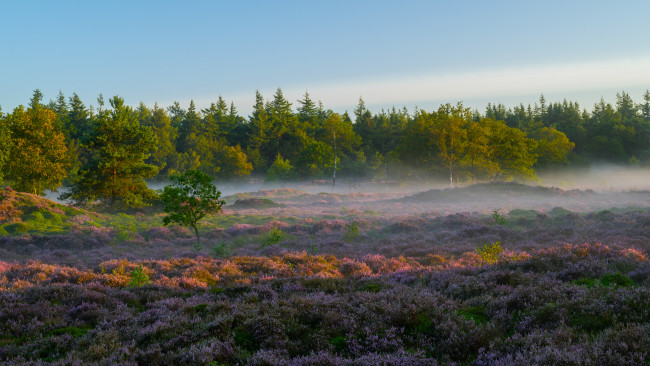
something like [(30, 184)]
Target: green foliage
[(221, 250), (498, 219), (351, 233), (17, 228), (315, 159), (38, 157), (281, 169), (616, 280), (553, 147), (115, 173), (273, 237), (75, 332), (585, 281), (138, 277), (339, 343), (190, 197), (107, 153), (370, 287), (124, 231), (5, 144), (490, 252), (475, 313)]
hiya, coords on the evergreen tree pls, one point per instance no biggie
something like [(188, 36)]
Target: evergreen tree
[(165, 157), (5, 144), (645, 107), (116, 171), (625, 106)]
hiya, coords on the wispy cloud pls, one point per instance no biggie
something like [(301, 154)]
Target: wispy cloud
[(569, 78)]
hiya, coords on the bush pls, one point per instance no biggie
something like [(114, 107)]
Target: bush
[(617, 280), (138, 277), (490, 252), (352, 232), (274, 237)]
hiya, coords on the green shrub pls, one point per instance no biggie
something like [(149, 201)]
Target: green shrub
[(274, 237), (352, 232), (339, 343), (475, 313), (221, 250), (617, 280), (585, 281), (138, 277), (498, 219), (490, 252)]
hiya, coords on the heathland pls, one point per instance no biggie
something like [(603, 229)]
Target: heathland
[(484, 274)]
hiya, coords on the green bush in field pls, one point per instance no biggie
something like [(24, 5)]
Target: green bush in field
[(490, 252), (274, 237), (352, 233), (498, 218), (138, 277)]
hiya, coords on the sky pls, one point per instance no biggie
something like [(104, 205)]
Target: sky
[(406, 53)]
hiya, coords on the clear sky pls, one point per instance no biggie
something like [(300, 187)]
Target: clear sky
[(405, 53)]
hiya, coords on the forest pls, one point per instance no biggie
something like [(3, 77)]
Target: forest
[(107, 153)]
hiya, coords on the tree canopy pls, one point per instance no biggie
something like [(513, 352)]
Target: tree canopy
[(105, 153), (189, 198)]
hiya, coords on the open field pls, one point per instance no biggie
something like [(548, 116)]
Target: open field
[(489, 274)]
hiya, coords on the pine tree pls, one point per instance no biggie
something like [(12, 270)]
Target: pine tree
[(5, 144), (114, 175)]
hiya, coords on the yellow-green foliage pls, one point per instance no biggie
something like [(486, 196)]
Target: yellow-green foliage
[(490, 252), (22, 213)]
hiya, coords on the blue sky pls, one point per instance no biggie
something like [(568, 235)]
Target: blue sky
[(406, 53)]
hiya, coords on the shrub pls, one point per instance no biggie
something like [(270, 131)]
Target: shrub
[(352, 232), (138, 277), (490, 252), (273, 237), (498, 219), (616, 279), (221, 250)]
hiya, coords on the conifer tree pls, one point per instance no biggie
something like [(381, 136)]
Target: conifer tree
[(116, 171)]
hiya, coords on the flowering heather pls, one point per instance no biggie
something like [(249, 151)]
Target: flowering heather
[(334, 279), (547, 305)]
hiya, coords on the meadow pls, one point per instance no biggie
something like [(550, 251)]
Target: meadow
[(487, 274)]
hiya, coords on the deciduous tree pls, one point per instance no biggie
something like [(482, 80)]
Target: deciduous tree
[(189, 198), (38, 158)]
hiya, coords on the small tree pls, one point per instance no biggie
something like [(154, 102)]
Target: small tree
[(190, 197)]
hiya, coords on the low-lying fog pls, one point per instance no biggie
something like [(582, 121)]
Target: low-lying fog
[(596, 188)]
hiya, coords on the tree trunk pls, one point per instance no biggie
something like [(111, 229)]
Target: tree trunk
[(198, 239)]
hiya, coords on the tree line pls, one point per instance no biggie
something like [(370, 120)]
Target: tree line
[(105, 153)]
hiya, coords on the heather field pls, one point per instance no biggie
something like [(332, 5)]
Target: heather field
[(488, 274)]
